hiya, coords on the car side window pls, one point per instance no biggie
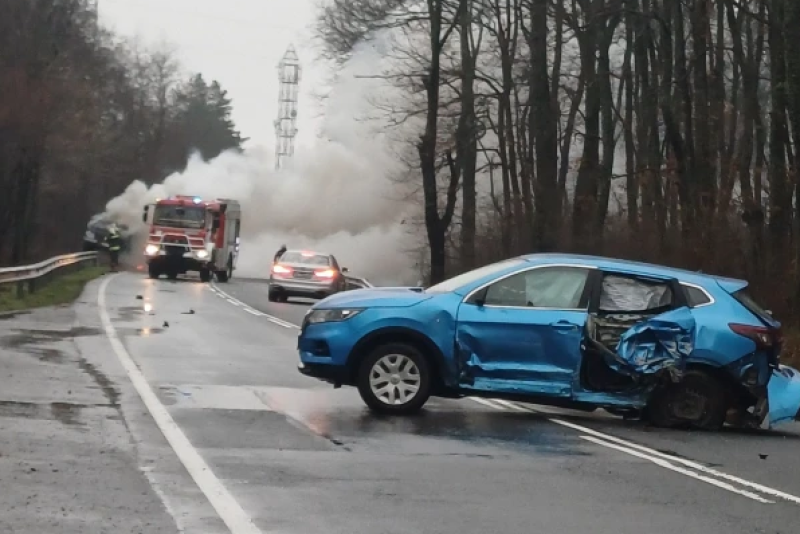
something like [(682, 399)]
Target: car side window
[(547, 287), (634, 295), (695, 297)]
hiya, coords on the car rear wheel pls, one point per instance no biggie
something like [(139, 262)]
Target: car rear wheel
[(698, 400), (395, 379)]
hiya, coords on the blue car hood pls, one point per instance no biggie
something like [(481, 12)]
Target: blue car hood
[(664, 342), (375, 297)]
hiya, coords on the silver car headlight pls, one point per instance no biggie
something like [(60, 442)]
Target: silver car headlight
[(330, 316)]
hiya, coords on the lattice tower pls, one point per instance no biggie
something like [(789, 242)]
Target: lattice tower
[(286, 124)]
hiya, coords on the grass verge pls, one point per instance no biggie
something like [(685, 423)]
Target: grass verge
[(61, 290)]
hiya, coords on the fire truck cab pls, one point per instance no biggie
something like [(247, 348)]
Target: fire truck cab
[(192, 234)]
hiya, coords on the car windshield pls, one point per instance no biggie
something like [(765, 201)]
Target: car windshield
[(471, 276), (179, 216), (307, 258)]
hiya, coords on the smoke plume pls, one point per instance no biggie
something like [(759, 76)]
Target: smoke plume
[(337, 196)]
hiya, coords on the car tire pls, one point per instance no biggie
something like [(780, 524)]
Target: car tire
[(698, 400), (153, 272), (205, 275), (273, 296), (172, 275), (405, 360)]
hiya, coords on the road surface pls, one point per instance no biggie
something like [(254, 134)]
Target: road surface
[(229, 437)]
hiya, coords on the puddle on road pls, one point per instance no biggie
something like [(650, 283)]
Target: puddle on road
[(348, 423), (25, 337), (66, 413), (11, 315), (106, 385)]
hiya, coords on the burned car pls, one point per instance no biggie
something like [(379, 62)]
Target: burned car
[(97, 231), (675, 347)]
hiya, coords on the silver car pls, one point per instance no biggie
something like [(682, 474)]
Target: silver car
[(300, 273)]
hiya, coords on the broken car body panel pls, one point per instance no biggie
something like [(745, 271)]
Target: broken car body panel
[(784, 396), (663, 343)]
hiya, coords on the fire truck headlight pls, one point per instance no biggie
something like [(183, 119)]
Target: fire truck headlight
[(151, 250), (202, 254)]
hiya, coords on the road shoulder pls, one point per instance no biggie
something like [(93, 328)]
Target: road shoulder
[(67, 454)]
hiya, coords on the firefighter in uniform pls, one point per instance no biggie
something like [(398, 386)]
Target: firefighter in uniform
[(114, 241)]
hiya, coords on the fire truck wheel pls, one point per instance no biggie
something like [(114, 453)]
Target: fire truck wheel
[(205, 275), (152, 272)]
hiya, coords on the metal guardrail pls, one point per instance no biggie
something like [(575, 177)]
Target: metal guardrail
[(29, 275)]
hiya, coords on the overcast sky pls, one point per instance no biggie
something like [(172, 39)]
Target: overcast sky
[(237, 42)]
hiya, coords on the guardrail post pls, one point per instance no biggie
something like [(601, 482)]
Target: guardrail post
[(31, 286), (20, 290)]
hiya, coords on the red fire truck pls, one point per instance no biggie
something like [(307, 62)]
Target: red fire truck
[(192, 234)]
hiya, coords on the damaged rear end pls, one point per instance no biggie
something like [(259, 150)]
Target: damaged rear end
[(701, 366), (775, 387)]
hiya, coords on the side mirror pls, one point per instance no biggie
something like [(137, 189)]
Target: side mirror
[(144, 213), (345, 270)]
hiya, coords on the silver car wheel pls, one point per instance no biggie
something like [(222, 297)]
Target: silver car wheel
[(395, 379)]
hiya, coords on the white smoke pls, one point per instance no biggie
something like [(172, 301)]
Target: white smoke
[(338, 196)]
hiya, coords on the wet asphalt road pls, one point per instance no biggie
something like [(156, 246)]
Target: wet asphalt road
[(295, 456)]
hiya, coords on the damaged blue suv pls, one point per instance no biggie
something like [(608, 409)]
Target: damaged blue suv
[(678, 348)]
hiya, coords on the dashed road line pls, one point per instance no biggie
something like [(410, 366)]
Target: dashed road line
[(226, 506), (683, 466), (249, 309)]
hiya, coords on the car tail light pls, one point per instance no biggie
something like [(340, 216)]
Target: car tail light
[(281, 269), (764, 338), (327, 273)]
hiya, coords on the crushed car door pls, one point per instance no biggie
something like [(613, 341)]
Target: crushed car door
[(633, 330), (522, 333)]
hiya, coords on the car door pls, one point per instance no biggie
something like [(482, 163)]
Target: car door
[(522, 333)]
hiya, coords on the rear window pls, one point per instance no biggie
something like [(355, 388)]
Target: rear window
[(752, 306), (310, 259)]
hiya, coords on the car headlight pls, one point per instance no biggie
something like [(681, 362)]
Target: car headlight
[(202, 254), (329, 316), (151, 250)]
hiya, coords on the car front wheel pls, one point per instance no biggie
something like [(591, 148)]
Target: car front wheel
[(395, 379)]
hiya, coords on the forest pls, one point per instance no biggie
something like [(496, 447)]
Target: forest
[(83, 113), (657, 130)]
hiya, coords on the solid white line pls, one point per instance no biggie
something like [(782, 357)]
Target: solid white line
[(228, 509), (683, 461), (667, 465)]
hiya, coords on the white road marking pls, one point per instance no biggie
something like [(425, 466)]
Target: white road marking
[(228, 509), (271, 318), (667, 465), (651, 454), (634, 449)]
